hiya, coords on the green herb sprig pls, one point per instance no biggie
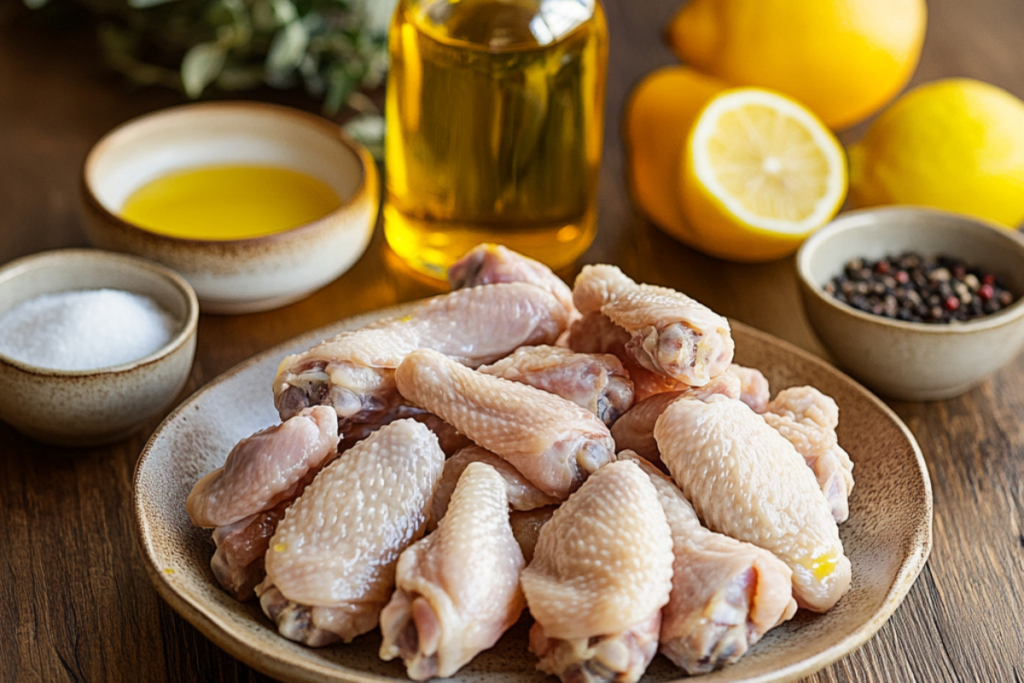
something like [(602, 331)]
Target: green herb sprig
[(334, 48)]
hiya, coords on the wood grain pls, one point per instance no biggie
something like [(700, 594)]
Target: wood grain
[(75, 602)]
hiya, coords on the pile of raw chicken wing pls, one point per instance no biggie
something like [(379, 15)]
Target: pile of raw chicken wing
[(591, 455)]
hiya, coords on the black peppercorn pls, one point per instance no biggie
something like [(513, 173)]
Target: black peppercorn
[(914, 288)]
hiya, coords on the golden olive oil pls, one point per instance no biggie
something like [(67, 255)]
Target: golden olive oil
[(229, 202), (494, 128)]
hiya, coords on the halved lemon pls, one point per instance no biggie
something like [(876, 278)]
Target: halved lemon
[(760, 173)]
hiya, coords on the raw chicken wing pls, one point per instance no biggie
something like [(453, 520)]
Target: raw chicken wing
[(808, 419), (354, 371), (725, 593), (246, 498), (522, 495), (600, 574), (745, 480), (670, 333), (331, 563), (487, 264), (596, 382), (458, 588), (264, 469), (553, 442), (596, 333)]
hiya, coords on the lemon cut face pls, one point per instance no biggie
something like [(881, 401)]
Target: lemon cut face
[(768, 161)]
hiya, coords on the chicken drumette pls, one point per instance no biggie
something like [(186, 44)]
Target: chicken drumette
[(553, 442), (458, 588), (669, 333)]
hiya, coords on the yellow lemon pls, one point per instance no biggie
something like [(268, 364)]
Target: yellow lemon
[(760, 173), (955, 144), (660, 111), (844, 59)]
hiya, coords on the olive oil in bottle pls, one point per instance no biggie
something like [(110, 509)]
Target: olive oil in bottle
[(494, 128)]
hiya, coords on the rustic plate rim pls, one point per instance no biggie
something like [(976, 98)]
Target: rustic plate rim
[(920, 541)]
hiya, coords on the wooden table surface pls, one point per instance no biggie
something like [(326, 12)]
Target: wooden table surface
[(75, 601)]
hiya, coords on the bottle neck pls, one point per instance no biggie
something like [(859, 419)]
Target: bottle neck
[(500, 24)]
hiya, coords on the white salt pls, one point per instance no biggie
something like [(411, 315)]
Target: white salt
[(84, 330)]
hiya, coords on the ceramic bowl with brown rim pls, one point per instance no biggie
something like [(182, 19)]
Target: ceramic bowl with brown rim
[(914, 361), (241, 275), (81, 408)]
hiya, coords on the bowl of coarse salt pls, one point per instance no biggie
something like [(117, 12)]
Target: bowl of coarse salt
[(92, 344)]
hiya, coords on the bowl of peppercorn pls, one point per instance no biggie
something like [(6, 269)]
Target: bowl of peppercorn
[(918, 304)]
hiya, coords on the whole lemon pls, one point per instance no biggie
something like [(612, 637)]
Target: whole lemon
[(955, 144), (842, 58), (658, 117)]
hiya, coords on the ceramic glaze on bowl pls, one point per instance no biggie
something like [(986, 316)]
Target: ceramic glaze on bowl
[(906, 360), (244, 275), (81, 408), (887, 538)]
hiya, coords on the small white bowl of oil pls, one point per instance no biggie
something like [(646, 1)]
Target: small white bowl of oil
[(256, 205)]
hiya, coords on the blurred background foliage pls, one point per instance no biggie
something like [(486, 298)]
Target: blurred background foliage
[(335, 49)]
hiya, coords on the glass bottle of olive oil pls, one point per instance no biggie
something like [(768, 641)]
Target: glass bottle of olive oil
[(495, 112)]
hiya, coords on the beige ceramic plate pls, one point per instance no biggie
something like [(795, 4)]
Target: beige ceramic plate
[(888, 536)]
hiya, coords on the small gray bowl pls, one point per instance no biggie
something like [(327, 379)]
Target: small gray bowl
[(81, 408), (905, 360)]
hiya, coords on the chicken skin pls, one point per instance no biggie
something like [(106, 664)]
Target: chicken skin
[(753, 387), (725, 593), (487, 264), (237, 563), (635, 429), (331, 563), (601, 572), (246, 498), (264, 469), (670, 333), (596, 333), (553, 442), (458, 588), (354, 371), (521, 494), (597, 382), (747, 481), (808, 419)]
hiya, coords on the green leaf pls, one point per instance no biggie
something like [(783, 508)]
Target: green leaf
[(35, 4), (285, 11), (288, 48), (201, 66)]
